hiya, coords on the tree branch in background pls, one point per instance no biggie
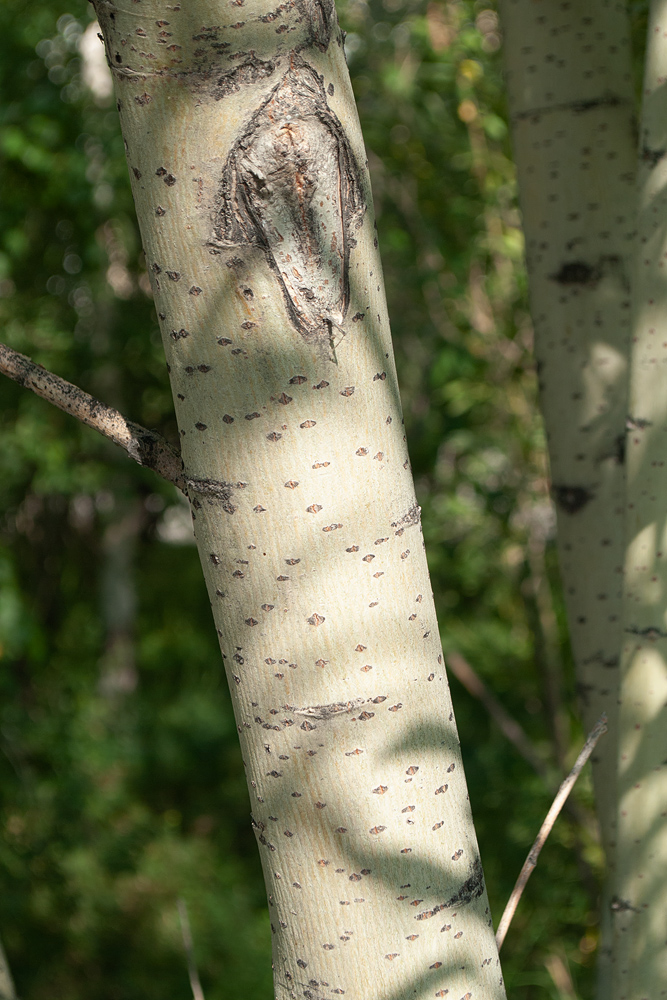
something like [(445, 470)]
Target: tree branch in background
[(148, 448), (7, 991), (556, 806), (475, 686), (195, 985)]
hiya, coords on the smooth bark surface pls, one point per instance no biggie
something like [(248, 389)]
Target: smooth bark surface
[(640, 902), (249, 177), (572, 110)]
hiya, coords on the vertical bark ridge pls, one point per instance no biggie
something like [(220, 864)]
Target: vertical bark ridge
[(639, 905), (572, 110), (248, 171)]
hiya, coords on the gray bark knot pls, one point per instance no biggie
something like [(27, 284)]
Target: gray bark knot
[(291, 186)]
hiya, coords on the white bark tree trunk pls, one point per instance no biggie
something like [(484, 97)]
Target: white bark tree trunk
[(7, 991), (248, 171), (572, 108), (640, 902)]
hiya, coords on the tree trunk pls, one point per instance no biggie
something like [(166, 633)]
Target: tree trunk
[(640, 903), (572, 104), (248, 172)]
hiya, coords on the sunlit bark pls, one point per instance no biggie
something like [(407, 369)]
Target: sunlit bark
[(249, 177)]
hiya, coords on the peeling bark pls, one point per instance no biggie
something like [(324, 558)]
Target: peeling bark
[(264, 262), (572, 110)]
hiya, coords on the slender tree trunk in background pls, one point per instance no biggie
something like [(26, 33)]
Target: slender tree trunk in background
[(7, 991), (640, 903), (571, 104), (249, 177)]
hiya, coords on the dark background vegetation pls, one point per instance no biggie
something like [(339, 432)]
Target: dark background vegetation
[(121, 784)]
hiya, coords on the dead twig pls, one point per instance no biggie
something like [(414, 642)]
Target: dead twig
[(556, 806), (195, 985), (148, 448)]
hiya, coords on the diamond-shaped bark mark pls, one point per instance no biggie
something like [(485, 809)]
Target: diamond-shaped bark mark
[(441, 790), (380, 698), (259, 509), (365, 669), (451, 767), (174, 275), (354, 877), (179, 334), (307, 726), (456, 855), (379, 541), (225, 341), (365, 716), (332, 527), (268, 607), (160, 211), (273, 436), (315, 619), (308, 423), (321, 662), (376, 576), (321, 465), (214, 559), (396, 708), (291, 484), (392, 955), (251, 622), (284, 398), (353, 548), (292, 562), (195, 290), (436, 965), (368, 558), (436, 826), (314, 508), (380, 790), (320, 805), (328, 947), (274, 774), (143, 99), (200, 426), (416, 902), (408, 809), (248, 325), (380, 377), (321, 385), (353, 753), (379, 456), (406, 850), (238, 574), (377, 829), (297, 380), (361, 451), (412, 937), (347, 391), (281, 579), (404, 555), (359, 648), (253, 415)]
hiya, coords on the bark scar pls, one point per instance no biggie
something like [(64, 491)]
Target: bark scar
[(291, 187), (329, 711)]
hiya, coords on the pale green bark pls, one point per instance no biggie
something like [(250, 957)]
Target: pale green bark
[(248, 171), (640, 903), (572, 110)]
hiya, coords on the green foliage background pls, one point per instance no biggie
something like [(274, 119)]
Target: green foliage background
[(121, 784)]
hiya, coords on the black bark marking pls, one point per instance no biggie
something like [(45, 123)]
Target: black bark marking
[(291, 187), (472, 888), (652, 156), (579, 272), (214, 491), (572, 499), (254, 70), (407, 520), (651, 632)]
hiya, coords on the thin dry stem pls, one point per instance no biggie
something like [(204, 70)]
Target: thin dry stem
[(148, 448), (188, 944), (556, 806)]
